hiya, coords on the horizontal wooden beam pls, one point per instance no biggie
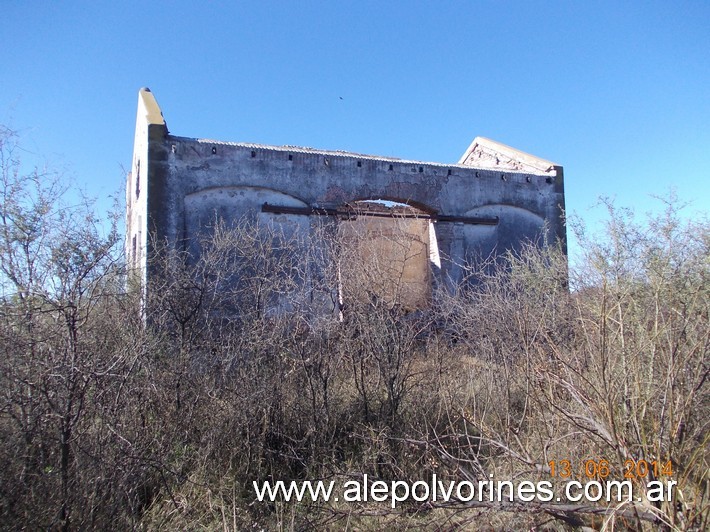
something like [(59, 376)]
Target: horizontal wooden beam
[(351, 213)]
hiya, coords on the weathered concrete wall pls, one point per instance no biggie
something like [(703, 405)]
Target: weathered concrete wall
[(189, 181), (149, 136)]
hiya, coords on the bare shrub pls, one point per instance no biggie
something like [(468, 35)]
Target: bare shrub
[(273, 355), (616, 370)]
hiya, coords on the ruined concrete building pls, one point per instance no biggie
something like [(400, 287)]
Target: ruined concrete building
[(488, 202)]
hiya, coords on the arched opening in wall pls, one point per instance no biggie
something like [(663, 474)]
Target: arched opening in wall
[(386, 254), (258, 259), (483, 243)]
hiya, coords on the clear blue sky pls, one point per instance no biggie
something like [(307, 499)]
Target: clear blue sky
[(616, 92)]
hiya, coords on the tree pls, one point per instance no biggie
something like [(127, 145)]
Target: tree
[(60, 277)]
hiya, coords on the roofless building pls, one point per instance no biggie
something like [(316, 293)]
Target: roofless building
[(443, 215)]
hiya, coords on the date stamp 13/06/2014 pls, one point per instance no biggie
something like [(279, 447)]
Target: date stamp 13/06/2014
[(602, 469)]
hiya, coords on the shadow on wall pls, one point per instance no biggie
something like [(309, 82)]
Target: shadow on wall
[(516, 226)]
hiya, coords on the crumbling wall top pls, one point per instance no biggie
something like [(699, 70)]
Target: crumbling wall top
[(487, 153)]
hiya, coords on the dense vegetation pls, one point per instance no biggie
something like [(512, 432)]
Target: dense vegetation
[(114, 419)]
